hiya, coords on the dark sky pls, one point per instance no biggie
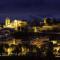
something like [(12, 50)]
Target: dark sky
[(26, 8)]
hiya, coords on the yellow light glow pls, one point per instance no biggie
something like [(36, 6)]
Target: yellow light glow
[(54, 42), (7, 21), (45, 20), (15, 24), (47, 27), (37, 42), (12, 42), (15, 21), (24, 50), (57, 48), (35, 29), (9, 51)]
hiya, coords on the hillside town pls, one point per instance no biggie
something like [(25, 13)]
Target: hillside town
[(30, 38)]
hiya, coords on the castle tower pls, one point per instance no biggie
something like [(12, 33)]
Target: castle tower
[(7, 21), (45, 20)]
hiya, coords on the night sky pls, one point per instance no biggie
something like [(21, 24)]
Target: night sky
[(26, 8)]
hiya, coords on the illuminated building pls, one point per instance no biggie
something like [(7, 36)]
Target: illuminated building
[(24, 51), (9, 51), (7, 21), (15, 24), (20, 24), (39, 41), (45, 21), (47, 28), (14, 42), (11, 42), (54, 41), (35, 29), (56, 51), (40, 29)]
